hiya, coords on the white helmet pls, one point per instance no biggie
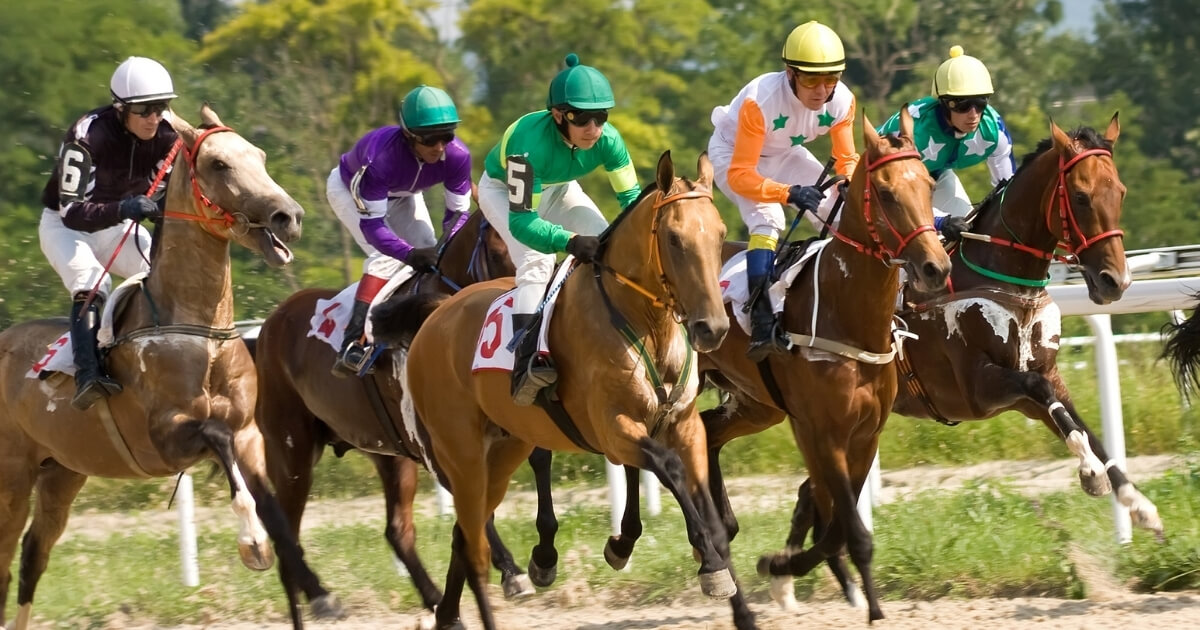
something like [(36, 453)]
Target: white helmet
[(140, 80)]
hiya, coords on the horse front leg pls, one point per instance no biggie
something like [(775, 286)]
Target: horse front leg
[(619, 548), (543, 562), (804, 519), (737, 416), (515, 583), (398, 476), (56, 489)]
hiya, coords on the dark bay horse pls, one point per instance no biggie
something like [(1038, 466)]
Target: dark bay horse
[(301, 410), (189, 383), (616, 333), (837, 384)]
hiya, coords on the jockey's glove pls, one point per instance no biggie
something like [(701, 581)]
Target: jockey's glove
[(422, 258), (137, 208), (805, 197), (583, 247), (950, 227)]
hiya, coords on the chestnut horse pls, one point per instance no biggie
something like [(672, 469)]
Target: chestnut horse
[(625, 379), (189, 383), (301, 410)]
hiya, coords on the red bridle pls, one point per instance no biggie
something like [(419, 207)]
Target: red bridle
[(880, 250), (1071, 234), (223, 217)]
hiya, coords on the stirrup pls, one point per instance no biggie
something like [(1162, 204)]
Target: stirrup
[(92, 391), (776, 343), (351, 360), (534, 378)]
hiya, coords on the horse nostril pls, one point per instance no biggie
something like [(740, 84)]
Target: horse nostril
[(286, 225), (931, 270), (702, 331)]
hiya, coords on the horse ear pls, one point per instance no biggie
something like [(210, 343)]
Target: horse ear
[(705, 169), (870, 136), (906, 123), (1062, 142), (1114, 128), (208, 117), (185, 130), (666, 172)]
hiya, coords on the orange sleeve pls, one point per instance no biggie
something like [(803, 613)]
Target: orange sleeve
[(842, 133), (744, 177)]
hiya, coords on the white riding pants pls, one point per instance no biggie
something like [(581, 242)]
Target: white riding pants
[(79, 257), (406, 215)]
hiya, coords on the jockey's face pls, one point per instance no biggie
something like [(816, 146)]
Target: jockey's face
[(813, 89), (429, 148), (967, 121), (584, 136), (965, 111), (141, 119)]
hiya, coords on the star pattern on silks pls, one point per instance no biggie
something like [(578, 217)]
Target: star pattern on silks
[(931, 150), (825, 119), (977, 144), (800, 139), (779, 122), (914, 111)]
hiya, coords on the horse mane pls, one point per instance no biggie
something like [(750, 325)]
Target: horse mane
[(607, 234), (1086, 136)]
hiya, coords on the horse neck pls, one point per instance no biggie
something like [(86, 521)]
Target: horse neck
[(190, 278), (460, 254), (629, 253)]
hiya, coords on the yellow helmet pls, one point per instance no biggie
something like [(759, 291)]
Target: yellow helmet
[(814, 47), (961, 75)]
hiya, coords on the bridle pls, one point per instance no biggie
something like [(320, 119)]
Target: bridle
[(210, 213), (880, 250)]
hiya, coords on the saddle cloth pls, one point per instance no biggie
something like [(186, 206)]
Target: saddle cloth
[(736, 290), (330, 316), (492, 348), (60, 356)]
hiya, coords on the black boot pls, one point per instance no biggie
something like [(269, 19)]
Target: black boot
[(354, 354), (531, 372), (765, 335), (91, 383)]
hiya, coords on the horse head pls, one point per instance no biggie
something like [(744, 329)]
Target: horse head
[(233, 196), (890, 202), (1083, 209), (475, 253)]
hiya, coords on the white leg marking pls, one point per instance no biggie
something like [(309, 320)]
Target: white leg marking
[(784, 592), (24, 614), (1091, 470), (1142, 511), (250, 529)]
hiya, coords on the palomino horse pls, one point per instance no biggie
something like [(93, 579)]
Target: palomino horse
[(189, 382), (301, 409), (625, 379), (837, 384)]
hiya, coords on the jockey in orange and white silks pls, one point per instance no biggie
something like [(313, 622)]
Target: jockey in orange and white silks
[(376, 192), (107, 162), (759, 157)]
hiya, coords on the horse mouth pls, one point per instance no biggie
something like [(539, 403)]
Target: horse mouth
[(273, 250)]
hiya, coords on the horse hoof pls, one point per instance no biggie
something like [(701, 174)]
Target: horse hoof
[(612, 558), (718, 584), (875, 615), (783, 592), (542, 577), (426, 622), (1095, 484), (257, 557), (517, 586), (327, 606)]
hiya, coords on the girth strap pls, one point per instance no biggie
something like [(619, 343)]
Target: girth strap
[(917, 390), (558, 413), (381, 414)]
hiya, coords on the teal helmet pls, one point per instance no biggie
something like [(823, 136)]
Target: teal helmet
[(428, 108), (579, 87)]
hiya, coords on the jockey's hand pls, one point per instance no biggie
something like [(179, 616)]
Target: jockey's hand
[(422, 258), (951, 227), (583, 247), (805, 197), (138, 207)]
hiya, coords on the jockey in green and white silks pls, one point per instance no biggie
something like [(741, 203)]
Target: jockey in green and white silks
[(551, 150), (956, 128)]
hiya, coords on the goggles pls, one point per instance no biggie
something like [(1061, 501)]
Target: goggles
[(811, 79), (432, 138), (581, 117), (962, 105), (146, 110)]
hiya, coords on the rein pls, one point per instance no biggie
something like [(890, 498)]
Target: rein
[(881, 251), (223, 217)]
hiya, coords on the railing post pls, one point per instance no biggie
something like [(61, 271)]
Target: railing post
[(1112, 422)]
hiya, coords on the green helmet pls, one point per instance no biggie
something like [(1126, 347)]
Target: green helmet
[(428, 108), (580, 87)]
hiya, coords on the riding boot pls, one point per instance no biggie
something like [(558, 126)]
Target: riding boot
[(354, 354), (531, 371), (91, 383), (765, 335)]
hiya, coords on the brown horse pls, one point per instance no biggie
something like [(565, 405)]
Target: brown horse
[(625, 379), (837, 384), (302, 410), (189, 382)]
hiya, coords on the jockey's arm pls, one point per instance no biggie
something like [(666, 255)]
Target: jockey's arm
[(845, 155), (744, 177), (524, 223), (458, 200), (619, 166), (76, 170), (1001, 163), (373, 216)]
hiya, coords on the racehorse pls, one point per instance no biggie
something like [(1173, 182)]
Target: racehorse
[(625, 382), (189, 383), (837, 384), (301, 409)]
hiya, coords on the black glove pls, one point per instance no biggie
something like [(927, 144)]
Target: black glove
[(583, 247), (805, 197), (422, 258), (137, 208), (951, 227)]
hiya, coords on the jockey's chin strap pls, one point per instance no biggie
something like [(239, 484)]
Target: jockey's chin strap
[(210, 213), (671, 303), (880, 250)]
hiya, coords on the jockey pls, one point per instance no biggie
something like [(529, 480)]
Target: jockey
[(956, 128), (758, 143), (566, 141), (375, 191), (107, 162)]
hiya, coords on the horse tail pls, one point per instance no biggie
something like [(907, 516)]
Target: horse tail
[(1182, 350), (397, 319)]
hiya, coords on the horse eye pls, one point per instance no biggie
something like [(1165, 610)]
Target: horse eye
[(886, 196), (220, 165), (674, 240), (1081, 198)]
